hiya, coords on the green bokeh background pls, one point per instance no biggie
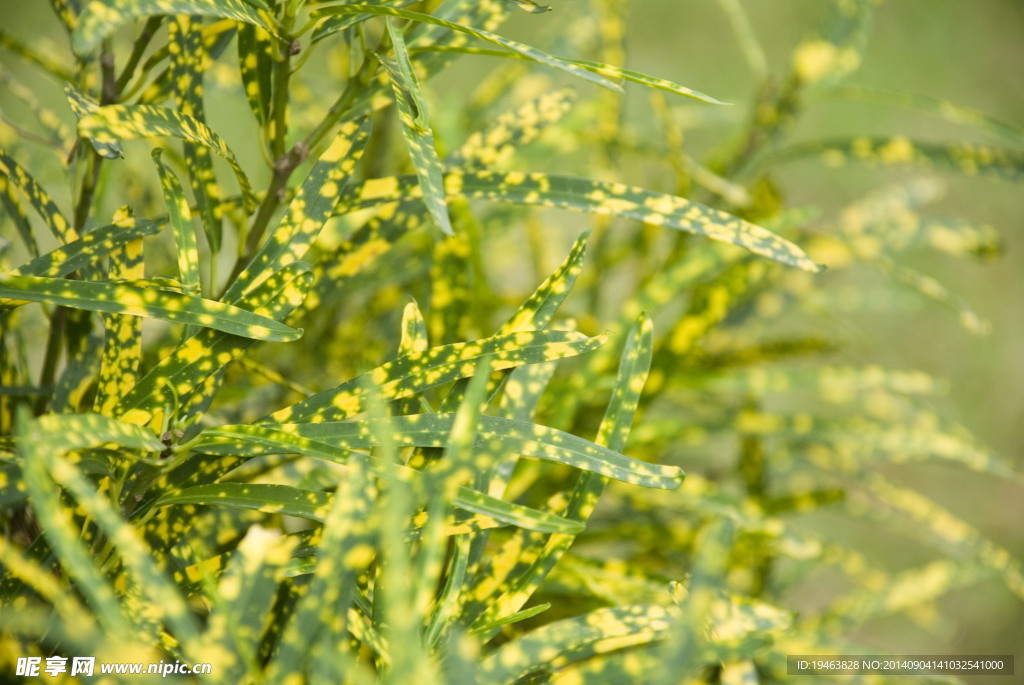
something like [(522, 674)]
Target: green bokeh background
[(969, 53)]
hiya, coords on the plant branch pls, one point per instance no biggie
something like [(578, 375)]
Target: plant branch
[(141, 43)]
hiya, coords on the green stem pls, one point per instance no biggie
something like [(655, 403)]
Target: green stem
[(53, 348), (289, 161), (141, 43)]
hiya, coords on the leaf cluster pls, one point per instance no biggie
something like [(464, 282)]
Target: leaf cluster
[(245, 443)]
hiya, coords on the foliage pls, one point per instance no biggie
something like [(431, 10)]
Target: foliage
[(184, 478)]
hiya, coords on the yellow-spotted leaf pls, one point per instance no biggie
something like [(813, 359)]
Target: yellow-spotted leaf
[(38, 198), (15, 213), (187, 369), (83, 105), (347, 547), (969, 159), (100, 17), (938, 526), (115, 122), (902, 592), (419, 137), (414, 331), (188, 57), (416, 372), (89, 249), (596, 197), (495, 435), (576, 639), (255, 58), (835, 384), (613, 72), (332, 25), (527, 51), (253, 441), (824, 59), (518, 582), (244, 598), (495, 144), (43, 443), (180, 218), (308, 211), (275, 499), (534, 314), (113, 298), (122, 344)]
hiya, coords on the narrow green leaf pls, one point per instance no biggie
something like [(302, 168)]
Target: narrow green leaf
[(188, 58), (181, 224), (308, 211), (196, 360), (89, 249), (100, 17), (255, 58), (416, 372), (114, 298), (942, 109), (56, 131), (530, 6), (419, 138), (250, 441), (332, 25), (38, 198), (83, 105), (111, 123), (529, 52), (596, 197)]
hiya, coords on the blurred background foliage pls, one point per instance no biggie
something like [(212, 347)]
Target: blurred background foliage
[(964, 53)]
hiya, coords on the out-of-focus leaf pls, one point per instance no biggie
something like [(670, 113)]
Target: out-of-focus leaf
[(899, 151), (498, 141)]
